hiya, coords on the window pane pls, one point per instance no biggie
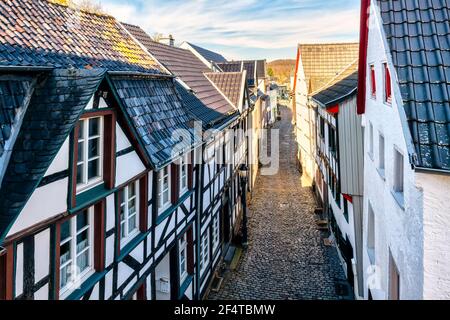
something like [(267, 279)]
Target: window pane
[(83, 261), (165, 197), (123, 231), (94, 127), (80, 151), (93, 169), (122, 213), (82, 241), (132, 206), (94, 148), (65, 231), (132, 190), (65, 253), (65, 276), (132, 224), (81, 130), (80, 170), (82, 220), (166, 183)]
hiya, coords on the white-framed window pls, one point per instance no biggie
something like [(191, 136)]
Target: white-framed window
[(215, 232), (129, 212), (398, 172), (76, 251), (182, 250), (204, 252), (371, 138), (381, 153), (89, 153), (184, 171), (164, 188)]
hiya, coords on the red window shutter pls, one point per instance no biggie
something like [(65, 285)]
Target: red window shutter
[(7, 274), (141, 293), (388, 92), (373, 81), (174, 185)]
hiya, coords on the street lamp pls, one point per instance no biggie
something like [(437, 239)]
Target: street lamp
[(243, 174)]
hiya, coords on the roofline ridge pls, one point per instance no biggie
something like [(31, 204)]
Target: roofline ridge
[(78, 8)]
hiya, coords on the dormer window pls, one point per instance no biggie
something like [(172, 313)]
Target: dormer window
[(373, 83), (89, 153), (387, 84)]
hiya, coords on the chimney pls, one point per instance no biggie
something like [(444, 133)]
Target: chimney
[(171, 41)]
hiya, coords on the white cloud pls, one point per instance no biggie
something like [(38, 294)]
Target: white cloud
[(221, 23)]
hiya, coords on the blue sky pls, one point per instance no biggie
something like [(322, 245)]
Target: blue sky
[(244, 29)]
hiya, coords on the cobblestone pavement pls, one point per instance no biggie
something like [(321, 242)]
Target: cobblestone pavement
[(286, 258)]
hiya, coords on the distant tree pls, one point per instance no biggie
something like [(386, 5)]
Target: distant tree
[(93, 6), (157, 37)]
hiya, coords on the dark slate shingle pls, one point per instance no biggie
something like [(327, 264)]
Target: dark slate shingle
[(209, 55), (54, 109), (157, 114), (339, 91), (41, 33), (12, 99), (418, 33)]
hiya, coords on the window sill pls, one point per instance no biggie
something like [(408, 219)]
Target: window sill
[(90, 281), (399, 198), (382, 173), (131, 245), (126, 241), (164, 213), (90, 197)]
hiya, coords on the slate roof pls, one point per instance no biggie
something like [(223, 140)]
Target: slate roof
[(261, 69), (40, 33), (230, 83), (157, 114), (418, 34), (323, 62), (12, 102), (208, 54), (237, 66), (233, 66), (191, 70), (54, 109), (337, 92)]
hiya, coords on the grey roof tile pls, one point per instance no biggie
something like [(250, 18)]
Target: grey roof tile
[(157, 113), (45, 128), (209, 55), (67, 38), (185, 65), (418, 33)]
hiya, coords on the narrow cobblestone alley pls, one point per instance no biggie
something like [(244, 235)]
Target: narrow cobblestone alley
[(286, 258)]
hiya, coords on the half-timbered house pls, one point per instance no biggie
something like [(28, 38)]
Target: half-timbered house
[(339, 175), (220, 104), (97, 197)]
